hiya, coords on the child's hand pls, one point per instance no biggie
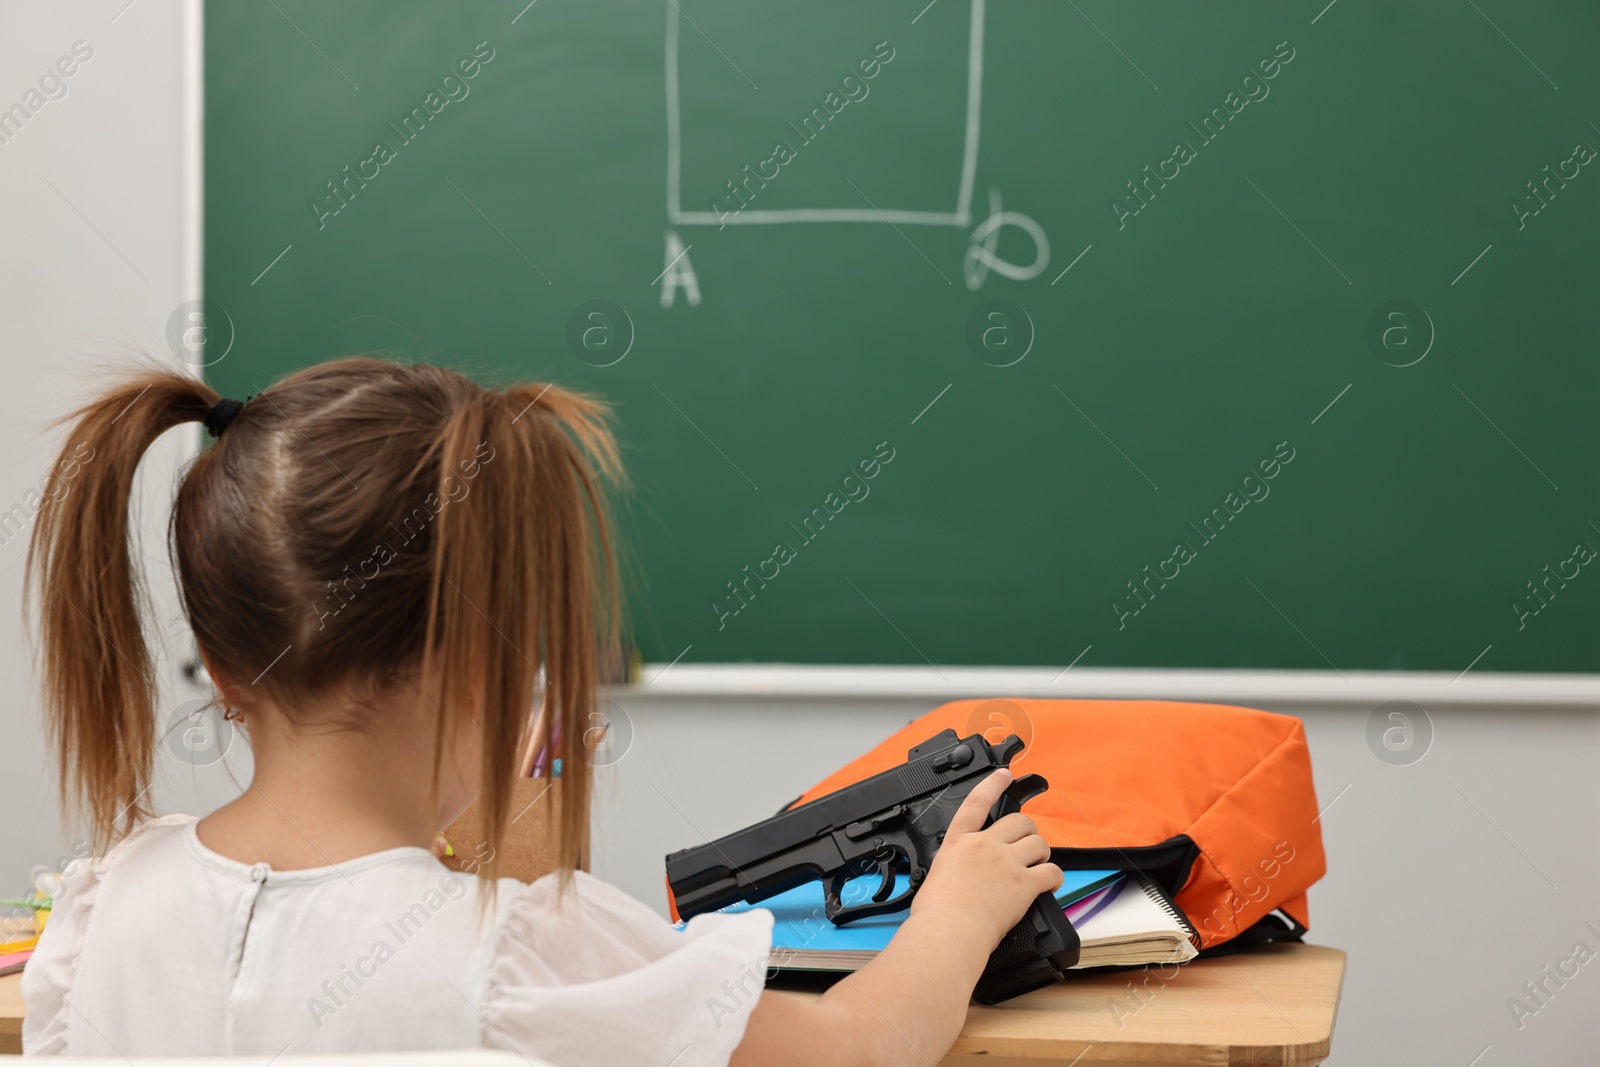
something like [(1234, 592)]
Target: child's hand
[(982, 881), (905, 1008)]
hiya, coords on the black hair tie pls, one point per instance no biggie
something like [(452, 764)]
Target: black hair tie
[(222, 413)]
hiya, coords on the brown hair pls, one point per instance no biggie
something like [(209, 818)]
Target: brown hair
[(359, 523)]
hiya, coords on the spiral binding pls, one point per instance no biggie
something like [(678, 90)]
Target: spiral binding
[(1160, 898)]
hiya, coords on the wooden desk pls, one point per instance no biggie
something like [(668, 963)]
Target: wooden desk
[(11, 1014), (1272, 1008)]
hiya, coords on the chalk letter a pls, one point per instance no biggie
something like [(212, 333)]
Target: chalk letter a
[(678, 274)]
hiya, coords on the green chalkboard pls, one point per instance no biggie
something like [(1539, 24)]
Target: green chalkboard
[(1238, 334)]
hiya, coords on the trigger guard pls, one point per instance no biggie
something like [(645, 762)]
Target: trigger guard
[(883, 900)]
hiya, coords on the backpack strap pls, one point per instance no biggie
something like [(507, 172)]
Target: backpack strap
[(1276, 926)]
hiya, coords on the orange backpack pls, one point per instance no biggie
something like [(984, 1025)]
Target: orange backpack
[(1214, 803)]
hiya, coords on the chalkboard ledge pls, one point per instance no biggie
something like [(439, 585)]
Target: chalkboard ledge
[(700, 681)]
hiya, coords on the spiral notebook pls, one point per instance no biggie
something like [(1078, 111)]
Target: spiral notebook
[(1139, 925), (1128, 921)]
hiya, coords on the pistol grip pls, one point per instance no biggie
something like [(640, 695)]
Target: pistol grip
[(1034, 954)]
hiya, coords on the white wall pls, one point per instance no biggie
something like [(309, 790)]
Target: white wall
[(99, 195)]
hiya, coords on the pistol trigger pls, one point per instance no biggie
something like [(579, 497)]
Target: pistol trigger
[(886, 887)]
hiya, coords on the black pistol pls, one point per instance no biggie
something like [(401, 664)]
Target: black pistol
[(889, 824)]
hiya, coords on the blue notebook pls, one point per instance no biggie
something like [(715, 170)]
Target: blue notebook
[(801, 925)]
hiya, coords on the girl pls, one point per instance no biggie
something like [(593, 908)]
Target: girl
[(377, 561)]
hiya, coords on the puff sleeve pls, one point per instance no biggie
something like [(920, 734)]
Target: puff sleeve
[(595, 977), (48, 979)]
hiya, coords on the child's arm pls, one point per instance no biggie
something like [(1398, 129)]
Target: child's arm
[(908, 1005)]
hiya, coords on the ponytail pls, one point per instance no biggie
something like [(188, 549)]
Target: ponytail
[(522, 577), (99, 689)]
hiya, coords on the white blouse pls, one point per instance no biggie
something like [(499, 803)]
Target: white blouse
[(165, 948)]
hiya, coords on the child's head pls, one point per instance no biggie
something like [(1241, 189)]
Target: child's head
[(361, 529)]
